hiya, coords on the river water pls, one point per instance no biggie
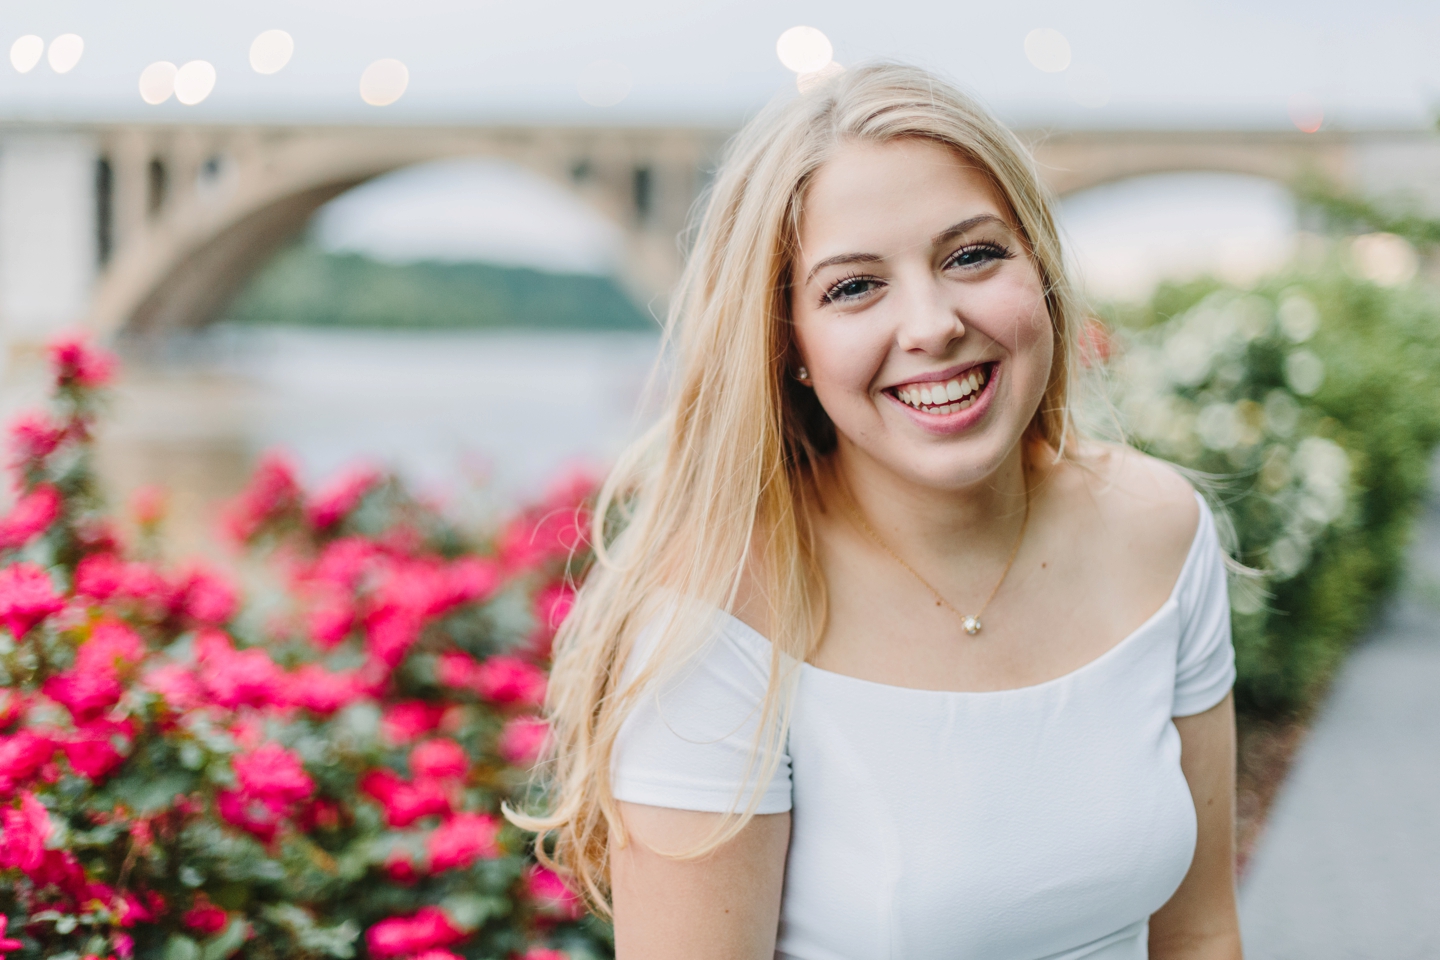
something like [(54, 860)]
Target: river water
[(477, 419)]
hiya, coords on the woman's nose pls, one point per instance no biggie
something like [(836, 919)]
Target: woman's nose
[(927, 321)]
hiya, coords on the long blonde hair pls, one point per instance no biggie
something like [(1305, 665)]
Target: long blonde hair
[(719, 488)]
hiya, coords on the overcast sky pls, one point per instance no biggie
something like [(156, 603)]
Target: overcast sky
[(1219, 62)]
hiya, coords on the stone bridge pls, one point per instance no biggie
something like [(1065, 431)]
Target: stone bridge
[(147, 228)]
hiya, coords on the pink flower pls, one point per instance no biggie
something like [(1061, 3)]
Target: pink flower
[(26, 830), (274, 775), (112, 646), (523, 740), (337, 499), (552, 530), (461, 840), (345, 562), (439, 759), (390, 632), (428, 928), (99, 576), (405, 802), (177, 684), (317, 689), (206, 918), (473, 580), (410, 719), (436, 955), (85, 693), (330, 621), (250, 814), (510, 680), (93, 757), (272, 492), (238, 678), (148, 505), (400, 868), (102, 576), (7, 944), (207, 598), (553, 604), (31, 516), (21, 757), (456, 669), (26, 597), (33, 438), (422, 588), (74, 362), (552, 895)]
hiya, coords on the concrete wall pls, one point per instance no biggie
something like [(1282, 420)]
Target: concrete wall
[(48, 246)]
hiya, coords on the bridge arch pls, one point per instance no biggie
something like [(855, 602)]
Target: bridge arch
[(181, 267), (1073, 161)]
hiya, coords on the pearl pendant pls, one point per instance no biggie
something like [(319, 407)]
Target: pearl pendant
[(972, 625)]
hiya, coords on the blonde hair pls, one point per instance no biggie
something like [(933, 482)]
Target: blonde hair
[(719, 489)]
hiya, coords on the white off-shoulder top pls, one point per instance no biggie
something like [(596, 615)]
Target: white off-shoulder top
[(1041, 823)]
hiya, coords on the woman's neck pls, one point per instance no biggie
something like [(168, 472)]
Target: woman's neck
[(925, 522)]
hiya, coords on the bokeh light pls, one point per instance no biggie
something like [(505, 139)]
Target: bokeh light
[(1047, 50), (604, 83), (270, 51), (65, 52), (1306, 113), (157, 82), (1384, 258), (26, 52), (384, 82), (193, 82), (816, 79), (804, 49)]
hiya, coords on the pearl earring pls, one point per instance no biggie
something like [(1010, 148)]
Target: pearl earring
[(802, 374)]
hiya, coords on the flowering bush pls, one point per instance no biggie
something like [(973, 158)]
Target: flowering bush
[(314, 773), (1309, 407)]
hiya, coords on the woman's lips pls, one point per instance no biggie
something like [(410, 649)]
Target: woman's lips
[(949, 406)]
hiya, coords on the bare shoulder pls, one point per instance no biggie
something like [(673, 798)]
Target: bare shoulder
[(1135, 503)]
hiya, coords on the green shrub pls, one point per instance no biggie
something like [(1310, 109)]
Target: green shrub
[(1307, 408)]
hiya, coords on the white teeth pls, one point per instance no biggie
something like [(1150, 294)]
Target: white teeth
[(935, 395)]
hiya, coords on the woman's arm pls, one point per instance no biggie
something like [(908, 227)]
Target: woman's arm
[(1200, 921), (725, 906)]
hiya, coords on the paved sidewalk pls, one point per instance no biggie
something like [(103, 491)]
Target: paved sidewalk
[(1349, 865)]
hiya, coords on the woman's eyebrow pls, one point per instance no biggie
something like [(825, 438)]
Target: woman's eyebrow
[(964, 226), (944, 236), (842, 258)]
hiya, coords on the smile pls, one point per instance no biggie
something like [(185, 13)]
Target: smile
[(943, 397)]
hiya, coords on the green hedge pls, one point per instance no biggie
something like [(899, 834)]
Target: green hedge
[(1308, 409)]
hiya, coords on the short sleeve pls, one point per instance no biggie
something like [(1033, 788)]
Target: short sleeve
[(688, 742), (1205, 662)]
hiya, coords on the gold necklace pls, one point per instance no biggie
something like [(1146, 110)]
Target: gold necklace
[(970, 622)]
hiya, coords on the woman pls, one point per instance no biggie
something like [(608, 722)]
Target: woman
[(882, 658)]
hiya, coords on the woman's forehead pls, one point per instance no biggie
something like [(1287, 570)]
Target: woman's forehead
[(891, 195)]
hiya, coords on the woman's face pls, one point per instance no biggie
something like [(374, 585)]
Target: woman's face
[(918, 312)]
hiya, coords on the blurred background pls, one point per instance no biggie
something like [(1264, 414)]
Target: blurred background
[(439, 233)]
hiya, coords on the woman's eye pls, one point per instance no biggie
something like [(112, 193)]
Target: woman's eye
[(852, 289), (979, 254)]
